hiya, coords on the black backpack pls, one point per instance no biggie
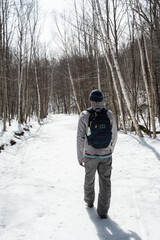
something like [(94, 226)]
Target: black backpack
[(99, 128)]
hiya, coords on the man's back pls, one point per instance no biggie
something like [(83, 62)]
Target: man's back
[(99, 128), (82, 141)]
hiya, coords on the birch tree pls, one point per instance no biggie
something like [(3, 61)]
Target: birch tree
[(108, 58), (3, 49), (66, 51), (96, 50), (150, 98), (119, 74), (22, 27), (34, 35)]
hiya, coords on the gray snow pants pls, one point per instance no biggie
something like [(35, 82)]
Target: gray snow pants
[(104, 167)]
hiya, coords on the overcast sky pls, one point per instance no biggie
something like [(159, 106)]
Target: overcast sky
[(46, 9), (49, 5)]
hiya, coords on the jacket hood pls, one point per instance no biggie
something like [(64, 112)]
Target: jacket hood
[(97, 107)]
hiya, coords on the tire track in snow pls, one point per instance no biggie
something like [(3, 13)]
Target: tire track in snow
[(143, 231), (142, 228)]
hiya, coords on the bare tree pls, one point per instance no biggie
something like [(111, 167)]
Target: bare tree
[(108, 57), (66, 51), (95, 27), (150, 99), (121, 80), (3, 52)]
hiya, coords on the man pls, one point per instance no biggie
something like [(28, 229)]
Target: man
[(96, 139)]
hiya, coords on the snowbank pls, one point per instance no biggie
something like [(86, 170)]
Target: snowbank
[(41, 187)]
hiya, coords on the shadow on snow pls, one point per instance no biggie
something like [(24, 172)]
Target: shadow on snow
[(107, 229), (145, 144)]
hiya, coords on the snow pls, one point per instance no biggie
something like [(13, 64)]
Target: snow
[(41, 187)]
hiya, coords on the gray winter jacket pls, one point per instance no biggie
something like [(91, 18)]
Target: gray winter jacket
[(82, 143)]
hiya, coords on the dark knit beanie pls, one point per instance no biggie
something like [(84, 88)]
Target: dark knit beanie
[(96, 96)]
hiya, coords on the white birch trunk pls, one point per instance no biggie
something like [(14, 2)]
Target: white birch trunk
[(117, 93), (122, 83), (98, 71), (96, 46), (63, 39), (19, 91), (73, 88), (151, 99), (38, 94), (3, 68)]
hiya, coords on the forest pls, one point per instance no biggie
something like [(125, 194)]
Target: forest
[(111, 45)]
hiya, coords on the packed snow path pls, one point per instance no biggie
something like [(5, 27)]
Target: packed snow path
[(41, 188)]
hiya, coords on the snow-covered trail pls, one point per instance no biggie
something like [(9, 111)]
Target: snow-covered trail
[(41, 189)]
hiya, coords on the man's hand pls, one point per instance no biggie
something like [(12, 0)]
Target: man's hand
[(82, 164)]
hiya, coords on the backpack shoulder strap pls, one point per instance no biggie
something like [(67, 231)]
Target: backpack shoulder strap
[(91, 114), (104, 110), (90, 110)]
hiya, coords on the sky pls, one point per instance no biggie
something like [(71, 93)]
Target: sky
[(50, 5), (47, 7)]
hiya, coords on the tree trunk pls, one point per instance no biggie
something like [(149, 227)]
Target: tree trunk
[(117, 93), (38, 94), (98, 71), (3, 66), (96, 46), (150, 99), (73, 88), (122, 83)]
